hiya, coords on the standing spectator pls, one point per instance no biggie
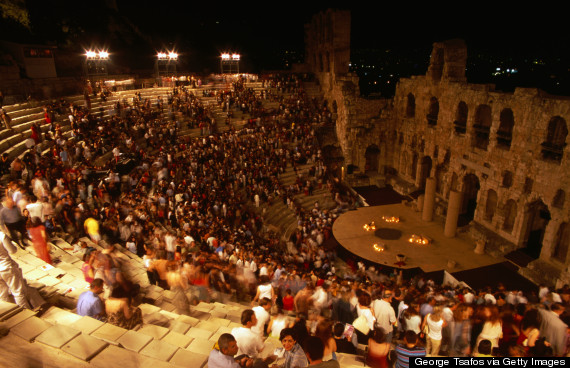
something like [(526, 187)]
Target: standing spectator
[(14, 222), (434, 324), (554, 329), (262, 316), (385, 314), (38, 234), (492, 328), (363, 310), (12, 281)]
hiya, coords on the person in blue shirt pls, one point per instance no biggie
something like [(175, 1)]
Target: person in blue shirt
[(223, 354), (90, 303)]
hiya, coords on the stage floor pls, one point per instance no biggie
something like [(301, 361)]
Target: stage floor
[(349, 232)]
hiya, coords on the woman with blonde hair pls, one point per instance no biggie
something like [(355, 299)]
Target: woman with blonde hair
[(434, 323)]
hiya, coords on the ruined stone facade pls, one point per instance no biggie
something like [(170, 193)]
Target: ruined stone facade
[(506, 153)]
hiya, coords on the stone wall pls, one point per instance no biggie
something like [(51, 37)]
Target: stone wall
[(507, 153)]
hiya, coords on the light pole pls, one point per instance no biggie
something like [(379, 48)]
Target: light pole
[(165, 65), (96, 63), (229, 63)]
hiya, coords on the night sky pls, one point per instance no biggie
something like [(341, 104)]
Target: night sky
[(255, 29), (201, 30)]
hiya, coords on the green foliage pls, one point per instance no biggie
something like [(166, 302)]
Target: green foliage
[(15, 10)]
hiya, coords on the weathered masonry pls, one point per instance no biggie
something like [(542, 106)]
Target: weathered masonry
[(498, 161)]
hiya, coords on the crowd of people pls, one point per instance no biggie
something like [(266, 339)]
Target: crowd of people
[(193, 210)]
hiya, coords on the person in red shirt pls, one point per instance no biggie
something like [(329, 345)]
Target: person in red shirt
[(288, 301)]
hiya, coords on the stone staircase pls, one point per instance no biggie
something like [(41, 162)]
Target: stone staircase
[(165, 339)]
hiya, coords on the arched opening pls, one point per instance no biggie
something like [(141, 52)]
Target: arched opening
[(559, 199), (411, 106), (482, 127), (414, 166), (433, 111), (460, 122), (471, 188), (372, 156), (505, 132), (425, 170), (553, 147), (537, 217), (491, 205), (510, 215), (562, 242)]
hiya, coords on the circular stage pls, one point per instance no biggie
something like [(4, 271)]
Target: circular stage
[(389, 241)]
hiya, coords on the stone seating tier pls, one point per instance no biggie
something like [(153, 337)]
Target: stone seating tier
[(165, 339)]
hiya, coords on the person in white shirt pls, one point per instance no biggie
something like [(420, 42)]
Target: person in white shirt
[(262, 316), (248, 342), (385, 314), (170, 242)]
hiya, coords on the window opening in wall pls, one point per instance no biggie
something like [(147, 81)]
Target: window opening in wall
[(460, 122), (471, 188), (505, 132), (553, 146), (491, 205), (482, 127), (510, 215), (537, 217), (433, 112), (372, 156)]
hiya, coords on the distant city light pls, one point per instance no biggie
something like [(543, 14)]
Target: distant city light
[(161, 55), (172, 56), (225, 56), (236, 56), (90, 54), (103, 54)]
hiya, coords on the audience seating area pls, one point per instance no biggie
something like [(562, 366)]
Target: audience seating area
[(165, 339)]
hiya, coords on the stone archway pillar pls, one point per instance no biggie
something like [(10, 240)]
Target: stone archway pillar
[(429, 200), (453, 208)]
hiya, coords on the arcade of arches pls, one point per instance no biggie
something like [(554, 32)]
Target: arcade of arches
[(507, 154)]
